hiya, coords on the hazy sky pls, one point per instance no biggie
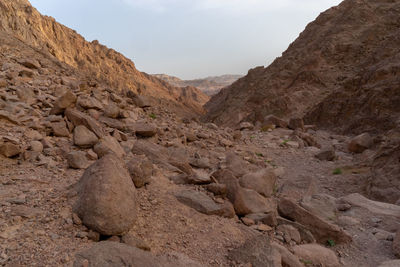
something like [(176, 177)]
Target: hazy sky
[(190, 38)]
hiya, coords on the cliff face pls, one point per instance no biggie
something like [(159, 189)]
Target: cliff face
[(341, 73), (19, 19)]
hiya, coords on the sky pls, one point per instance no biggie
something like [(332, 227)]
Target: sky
[(190, 38)]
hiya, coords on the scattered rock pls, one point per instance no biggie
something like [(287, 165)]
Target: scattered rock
[(246, 126), (9, 150), (112, 111), (107, 145), (327, 154), (144, 129), (360, 143), (77, 160), (140, 170), (273, 120), (316, 255), (320, 228), (133, 241), (256, 252), (107, 197), (262, 181), (296, 123), (36, 146), (63, 102), (80, 118), (83, 137), (396, 244), (287, 258), (113, 254), (204, 204)]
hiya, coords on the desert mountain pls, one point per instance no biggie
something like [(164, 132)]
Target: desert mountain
[(106, 66), (210, 85), (342, 73)]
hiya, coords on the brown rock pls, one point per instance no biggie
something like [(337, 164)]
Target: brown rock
[(140, 170), (112, 254), (317, 254), (83, 137), (36, 146), (396, 244), (296, 123), (204, 204), (133, 241), (60, 129), (256, 252), (287, 258), (87, 102), (262, 181), (63, 102), (273, 120), (9, 150), (77, 160), (327, 154), (360, 143), (144, 129), (289, 233), (265, 218), (245, 201), (320, 228), (79, 118), (107, 145), (112, 111), (107, 197)]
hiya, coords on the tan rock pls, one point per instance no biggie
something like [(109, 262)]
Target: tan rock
[(360, 143), (107, 145), (9, 150), (107, 197), (63, 102), (262, 181), (83, 137), (316, 255)]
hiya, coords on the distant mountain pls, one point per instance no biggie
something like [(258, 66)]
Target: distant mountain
[(210, 85)]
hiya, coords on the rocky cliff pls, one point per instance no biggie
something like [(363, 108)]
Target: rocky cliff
[(20, 20), (341, 73)]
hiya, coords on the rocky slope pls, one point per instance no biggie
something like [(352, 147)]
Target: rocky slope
[(209, 85), (342, 73), (95, 61)]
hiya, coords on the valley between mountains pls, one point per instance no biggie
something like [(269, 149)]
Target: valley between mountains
[(295, 164)]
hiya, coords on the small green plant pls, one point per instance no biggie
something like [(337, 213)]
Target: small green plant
[(306, 262), (337, 171), (270, 163), (153, 116), (252, 137), (259, 155), (275, 190), (330, 243)]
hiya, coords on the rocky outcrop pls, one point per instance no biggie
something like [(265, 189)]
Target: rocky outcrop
[(340, 73), (106, 66)]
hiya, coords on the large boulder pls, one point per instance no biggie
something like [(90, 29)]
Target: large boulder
[(107, 145), (83, 137), (204, 204), (316, 255), (107, 197), (113, 254), (262, 181), (256, 252), (360, 143), (63, 102), (319, 227), (245, 201), (235, 164)]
